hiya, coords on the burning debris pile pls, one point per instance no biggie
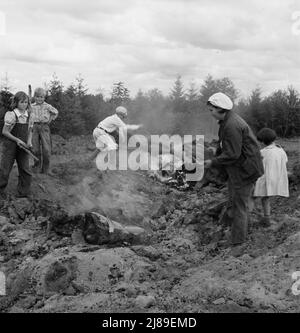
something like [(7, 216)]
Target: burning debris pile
[(173, 172)]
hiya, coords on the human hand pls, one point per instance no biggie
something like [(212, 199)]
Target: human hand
[(21, 143), (94, 155), (207, 164), (134, 127), (212, 150)]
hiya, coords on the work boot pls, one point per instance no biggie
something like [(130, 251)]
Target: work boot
[(268, 223), (226, 241), (3, 196), (35, 169), (265, 221), (238, 250), (225, 219), (227, 234), (48, 173)]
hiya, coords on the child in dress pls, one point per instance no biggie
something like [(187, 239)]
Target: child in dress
[(274, 182), (18, 132)]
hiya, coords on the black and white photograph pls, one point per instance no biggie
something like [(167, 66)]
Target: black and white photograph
[(149, 159)]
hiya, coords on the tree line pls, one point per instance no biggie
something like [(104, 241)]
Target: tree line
[(182, 111)]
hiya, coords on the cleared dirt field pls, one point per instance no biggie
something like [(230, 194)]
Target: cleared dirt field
[(185, 265)]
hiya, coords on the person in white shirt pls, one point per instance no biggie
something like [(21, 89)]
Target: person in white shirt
[(274, 182), (102, 134)]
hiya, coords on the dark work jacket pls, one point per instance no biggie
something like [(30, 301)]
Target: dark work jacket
[(239, 152)]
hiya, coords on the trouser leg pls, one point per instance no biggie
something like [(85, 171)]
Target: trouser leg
[(24, 173), (240, 210), (226, 219), (7, 162), (36, 145), (1, 146), (106, 160), (46, 147)]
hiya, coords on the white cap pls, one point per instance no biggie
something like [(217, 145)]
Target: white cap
[(221, 100), (121, 110)]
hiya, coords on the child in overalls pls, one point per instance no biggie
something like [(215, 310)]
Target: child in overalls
[(18, 132)]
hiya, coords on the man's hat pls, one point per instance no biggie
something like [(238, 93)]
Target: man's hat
[(221, 100), (121, 111)]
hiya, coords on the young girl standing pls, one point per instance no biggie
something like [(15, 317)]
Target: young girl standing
[(18, 132), (274, 182)]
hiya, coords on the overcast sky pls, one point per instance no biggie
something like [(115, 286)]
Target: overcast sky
[(146, 43)]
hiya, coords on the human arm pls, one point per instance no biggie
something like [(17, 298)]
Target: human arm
[(30, 131), (30, 126), (94, 154), (9, 123), (53, 113), (124, 128), (133, 127), (29, 140), (6, 131), (231, 147)]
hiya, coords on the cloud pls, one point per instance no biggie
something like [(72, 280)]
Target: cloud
[(73, 8), (146, 43)]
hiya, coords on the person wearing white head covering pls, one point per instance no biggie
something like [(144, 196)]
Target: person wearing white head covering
[(239, 155), (121, 111), (102, 134), (221, 101)]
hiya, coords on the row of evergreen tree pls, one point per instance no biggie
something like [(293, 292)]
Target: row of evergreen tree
[(183, 111)]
